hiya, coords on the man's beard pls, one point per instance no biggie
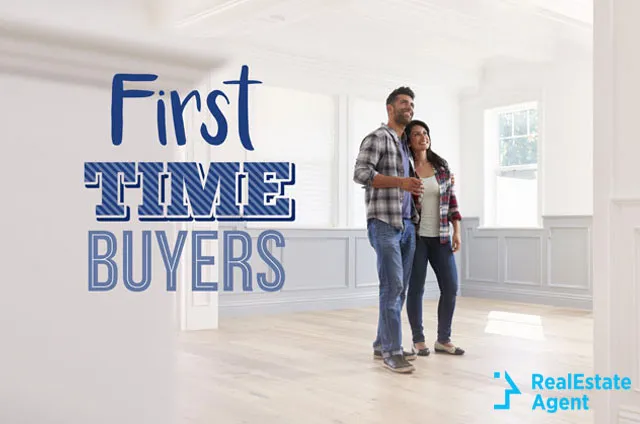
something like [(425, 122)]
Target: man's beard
[(402, 119)]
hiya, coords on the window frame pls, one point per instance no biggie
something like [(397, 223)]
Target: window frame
[(495, 170), (513, 109)]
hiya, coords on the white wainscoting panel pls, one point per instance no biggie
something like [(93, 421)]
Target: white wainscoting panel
[(366, 264), (316, 264), (522, 260), (324, 269), (548, 265), (636, 309), (485, 267), (624, 292), (569, 256), (628, 415)]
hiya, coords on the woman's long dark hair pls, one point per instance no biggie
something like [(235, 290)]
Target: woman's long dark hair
[(432, 157)]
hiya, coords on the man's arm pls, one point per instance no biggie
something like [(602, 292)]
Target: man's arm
[(385, 181), (367, 160), (412, 185), (365, 172)]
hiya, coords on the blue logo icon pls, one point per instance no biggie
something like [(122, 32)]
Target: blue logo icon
[(512, 390)]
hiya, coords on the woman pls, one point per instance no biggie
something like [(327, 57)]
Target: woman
[(434, 244)]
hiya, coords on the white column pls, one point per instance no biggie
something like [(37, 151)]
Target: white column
[(616, 247), (198, 310), (70, 354)]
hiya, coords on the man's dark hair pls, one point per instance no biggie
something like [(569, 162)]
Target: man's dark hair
[(399, 91)]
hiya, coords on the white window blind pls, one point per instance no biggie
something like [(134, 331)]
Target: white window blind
[(298, 127), (364, 117), (513, 155)]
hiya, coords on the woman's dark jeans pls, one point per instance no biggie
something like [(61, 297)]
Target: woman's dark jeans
[(440, 256)]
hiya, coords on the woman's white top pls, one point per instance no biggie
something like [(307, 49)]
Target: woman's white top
[(430, 213)]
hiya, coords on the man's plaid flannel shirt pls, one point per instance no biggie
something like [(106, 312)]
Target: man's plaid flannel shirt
[(380, 154)]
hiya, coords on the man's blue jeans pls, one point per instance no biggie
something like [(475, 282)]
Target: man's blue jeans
[(394, 250)]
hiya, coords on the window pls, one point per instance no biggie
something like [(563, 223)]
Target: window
[(512, 155), (518, 139), (364, 117), (300, 127)]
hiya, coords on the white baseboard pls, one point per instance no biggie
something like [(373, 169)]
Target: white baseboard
[(538, 296), (305, 302), (628, 415)]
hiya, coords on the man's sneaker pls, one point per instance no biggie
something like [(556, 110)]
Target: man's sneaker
[(409, 356), (398, 363)]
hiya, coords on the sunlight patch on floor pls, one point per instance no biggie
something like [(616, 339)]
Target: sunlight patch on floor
[(512, 324)]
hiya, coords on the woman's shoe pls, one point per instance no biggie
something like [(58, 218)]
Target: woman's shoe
[(451, 350), (421, 352)]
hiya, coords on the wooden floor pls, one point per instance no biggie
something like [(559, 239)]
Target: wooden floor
[(318, 368)]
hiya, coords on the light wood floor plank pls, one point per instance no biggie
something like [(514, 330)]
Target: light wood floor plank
[(317, 367)]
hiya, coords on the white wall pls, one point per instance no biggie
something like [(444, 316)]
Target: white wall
[(564, 92), (70, 355), (300, 127), (318, 122), (568, 141), (113, 17), (616, 220), (439, 109)]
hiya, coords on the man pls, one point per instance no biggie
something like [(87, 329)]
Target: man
[(384, 167)]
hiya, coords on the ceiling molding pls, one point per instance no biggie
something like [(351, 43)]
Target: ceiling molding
[(209, 12), (338, 43), (284, 68), (92, 59), (565, 20), (223, 17)]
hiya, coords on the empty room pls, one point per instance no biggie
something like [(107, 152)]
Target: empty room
[(274, 211)]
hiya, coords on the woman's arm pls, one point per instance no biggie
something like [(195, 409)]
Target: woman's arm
[(454, 213), (455, 218), (456, 240)]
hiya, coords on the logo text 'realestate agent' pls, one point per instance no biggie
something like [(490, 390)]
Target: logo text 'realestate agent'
[(579, 385)]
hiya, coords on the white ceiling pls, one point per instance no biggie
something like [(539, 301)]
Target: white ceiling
[(439, 42)]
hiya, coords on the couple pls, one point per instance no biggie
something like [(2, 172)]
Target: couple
[(410, 206)]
